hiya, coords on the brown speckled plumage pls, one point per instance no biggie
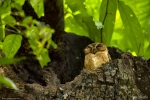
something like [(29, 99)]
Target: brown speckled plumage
[(96, 54)]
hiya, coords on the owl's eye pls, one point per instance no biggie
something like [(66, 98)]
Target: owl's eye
[(99, 46), (89, 47)]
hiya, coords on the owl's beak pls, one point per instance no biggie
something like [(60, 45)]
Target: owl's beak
[(94, 51)]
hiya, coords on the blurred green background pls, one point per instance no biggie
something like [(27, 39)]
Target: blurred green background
[(128, 35)]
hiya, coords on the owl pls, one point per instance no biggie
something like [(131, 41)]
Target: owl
[(96, 54)]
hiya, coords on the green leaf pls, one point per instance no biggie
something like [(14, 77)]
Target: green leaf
[(17, 6), (5, 7), (2, 32), (143, 11), (75, 5), (107, 17), (103, 9), (43, 57), (6, 81), (27, 21), (74, 17), (71, 25), (41, 53), (11, 45), (132, 27), (82, 22), (21, 2), (38, 7), (4, 61), (53, 44), (93, 7), (92, 29), (9, 20), (1, 44)]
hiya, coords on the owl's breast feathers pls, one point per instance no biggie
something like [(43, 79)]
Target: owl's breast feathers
[(101, 58)]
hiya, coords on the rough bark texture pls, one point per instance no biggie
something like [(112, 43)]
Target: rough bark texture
[(124, 78), (116, 80)]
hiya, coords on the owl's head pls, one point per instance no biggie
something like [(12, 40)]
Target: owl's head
[(95, 47)]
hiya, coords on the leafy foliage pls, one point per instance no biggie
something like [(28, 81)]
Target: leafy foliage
[(132, 26), (4, 11), (4, 61), (142, 11), (38, 34), (107, 17), (8, 82), (78, 20), (126, 23), (38, 7), (11, 45)]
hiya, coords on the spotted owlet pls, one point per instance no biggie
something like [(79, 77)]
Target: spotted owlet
[(96, 54)]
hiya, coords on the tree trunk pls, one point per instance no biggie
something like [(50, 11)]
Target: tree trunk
[(124, 78)]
